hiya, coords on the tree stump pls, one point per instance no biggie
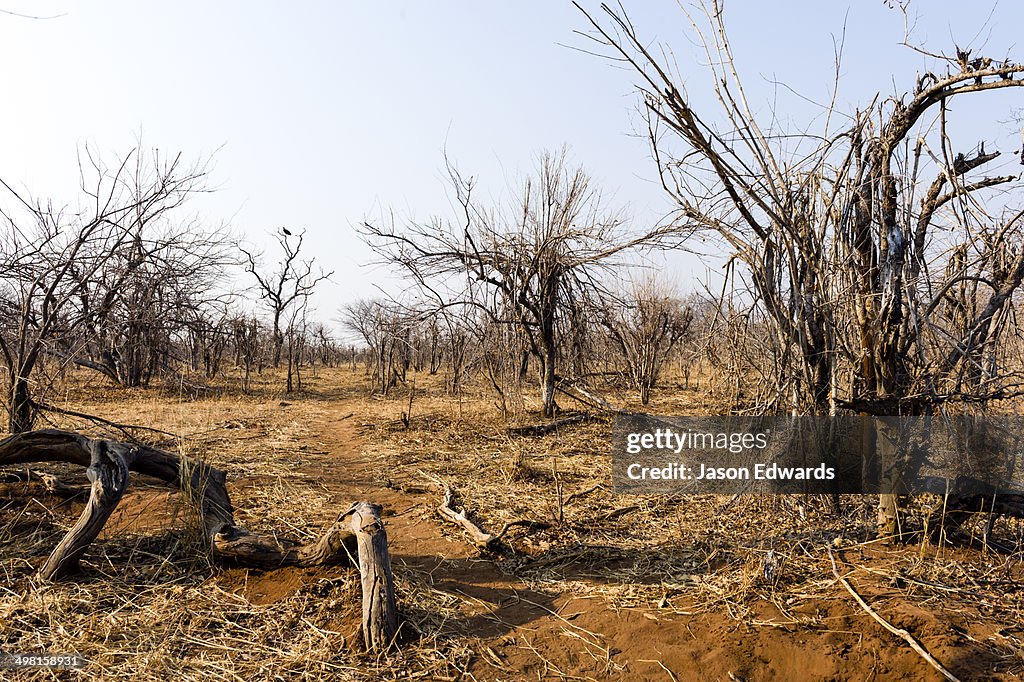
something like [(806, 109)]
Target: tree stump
[(380, 616)]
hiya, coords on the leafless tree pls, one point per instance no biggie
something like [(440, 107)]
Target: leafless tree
[(327, 349), (527, 260), (246, 337), (297, 342), (53, 262), (883, 276), (210, 334), (151, 298), (291, 282), (645, 325), (386, 329)]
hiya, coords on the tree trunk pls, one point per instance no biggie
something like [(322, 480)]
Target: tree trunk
[(549, 352), (380, 615), (290, 383), (645, 392), (892, 458), (22, 413), (547, 388), (278, 339)]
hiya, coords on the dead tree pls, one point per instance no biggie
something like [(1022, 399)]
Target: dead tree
[(50, 261), (293, 281), (209, 333), (296, 336), (358, 531), (147, 299), (246, 337), (645, 327), (534, 256), (386, 327), (833, 230)]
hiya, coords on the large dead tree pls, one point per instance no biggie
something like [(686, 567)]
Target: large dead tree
[(883, 271), (523, 264), (358, 531)]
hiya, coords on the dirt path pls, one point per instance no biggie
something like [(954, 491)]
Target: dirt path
[(515, 631)]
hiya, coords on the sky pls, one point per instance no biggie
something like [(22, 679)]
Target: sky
[(318, 115)]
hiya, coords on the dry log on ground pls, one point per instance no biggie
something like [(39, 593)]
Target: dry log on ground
[(478, 535), (954, 510), (53, 485), (963, 498), (544, 429), (589, 399), (358, 532)]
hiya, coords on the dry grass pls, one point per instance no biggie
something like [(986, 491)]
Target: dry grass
[(150, 605)]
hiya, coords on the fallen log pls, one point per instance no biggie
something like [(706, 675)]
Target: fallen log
[(947, 517), (964, 497), (544, 429), (51, 483), (480, 537), (356, 538), (590, 399)]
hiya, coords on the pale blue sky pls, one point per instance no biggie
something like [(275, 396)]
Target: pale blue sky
[(325, 112)]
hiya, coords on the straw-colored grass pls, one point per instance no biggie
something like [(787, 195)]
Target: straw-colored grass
[(150, 605)]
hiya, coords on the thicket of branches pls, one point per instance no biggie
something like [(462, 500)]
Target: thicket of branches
[(527, 278), (876, 257), (133, 287)]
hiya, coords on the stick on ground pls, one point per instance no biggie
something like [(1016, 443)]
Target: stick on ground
[(899, 632)]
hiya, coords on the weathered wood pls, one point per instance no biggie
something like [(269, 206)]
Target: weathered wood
[(199, 481), (478, 535), (52, 483), (108, 472), (358, 532), (590, 399), (380, 615), (336, 547)]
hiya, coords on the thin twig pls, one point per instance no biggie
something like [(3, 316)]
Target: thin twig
[(899, 632)]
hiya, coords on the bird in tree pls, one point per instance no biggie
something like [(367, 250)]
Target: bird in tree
[(285, 230)]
